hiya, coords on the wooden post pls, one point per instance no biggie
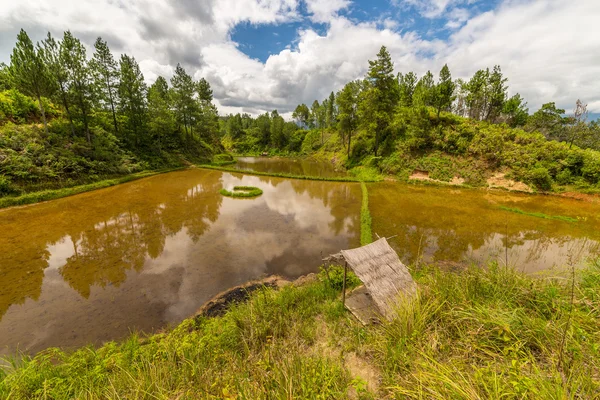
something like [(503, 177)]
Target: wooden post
[(344, 284)]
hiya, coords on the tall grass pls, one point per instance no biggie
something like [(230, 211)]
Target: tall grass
[(366, 236), (481, 333)]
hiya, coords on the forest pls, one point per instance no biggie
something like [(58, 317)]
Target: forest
[(67, 119)]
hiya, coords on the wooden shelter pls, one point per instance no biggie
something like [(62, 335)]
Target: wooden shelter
[(386, 279)]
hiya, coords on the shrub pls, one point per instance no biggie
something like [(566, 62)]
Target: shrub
[(540, 177), (5, 186)]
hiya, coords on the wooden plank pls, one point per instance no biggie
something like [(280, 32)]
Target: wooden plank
[(385, 277), (361, 305)]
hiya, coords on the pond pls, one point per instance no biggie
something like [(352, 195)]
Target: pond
[(293, 166), (146, 254), (456, 226)]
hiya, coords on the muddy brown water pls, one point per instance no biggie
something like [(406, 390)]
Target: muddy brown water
[(146, 254), (457, 226), (294, 166)]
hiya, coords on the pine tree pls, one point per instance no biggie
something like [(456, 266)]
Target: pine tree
[(59, 74), (161, 120), (106, 76), (444, 91), (424, 93), (183, 98), (80, 88), (29, 72), (407, 84), (384, 96), (477, 92), (496, 94), (347, 100), (331, 110), (132, 95)]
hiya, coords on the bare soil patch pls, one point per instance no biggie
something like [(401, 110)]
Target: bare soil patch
[(499, 180)]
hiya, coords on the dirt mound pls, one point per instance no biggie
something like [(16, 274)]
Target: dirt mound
[(499, 180)]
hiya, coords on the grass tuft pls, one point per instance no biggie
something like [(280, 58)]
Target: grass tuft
[(539, 215), (242, 191)]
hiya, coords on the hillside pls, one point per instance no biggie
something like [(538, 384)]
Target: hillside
[(68, 119)]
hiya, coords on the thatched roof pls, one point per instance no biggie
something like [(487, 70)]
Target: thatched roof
[(386, 278)]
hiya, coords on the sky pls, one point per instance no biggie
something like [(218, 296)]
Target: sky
[(261, 55)]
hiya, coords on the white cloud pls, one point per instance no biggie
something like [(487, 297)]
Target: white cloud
[(323, 11), (547, 48), (427, 8)]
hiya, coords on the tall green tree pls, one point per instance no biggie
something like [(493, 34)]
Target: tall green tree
[(53, 58), (384, 95), (106, 76), (5, 81), (549, 121), (73, 56), (477, 95), (29, 73), (302, 115), (515, 111), (407, 84), (204, 91), (347, 101), (161, 120), (330, 116), (277, 134), (496, 94), (424, 93), (132, 95), (183, 89), (444, 91)]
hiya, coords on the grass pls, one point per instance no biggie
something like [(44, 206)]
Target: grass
[(481, 333), (366, 236), (223, 163), (291, 176), (52, 194), (242, 191), (539, 215)]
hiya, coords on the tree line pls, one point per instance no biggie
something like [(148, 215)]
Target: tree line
[(373, 103), (104, 94)]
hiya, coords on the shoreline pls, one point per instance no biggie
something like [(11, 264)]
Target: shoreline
[(54, 194)]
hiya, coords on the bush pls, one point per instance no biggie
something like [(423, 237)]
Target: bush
[(222, 158), (5, 186), (540, 177)]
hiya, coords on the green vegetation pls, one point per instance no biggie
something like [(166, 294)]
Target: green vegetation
[(242, 191), (284, 175), (539, 215), (366, 236), (68, 120), (394, 124), (479, 333)]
